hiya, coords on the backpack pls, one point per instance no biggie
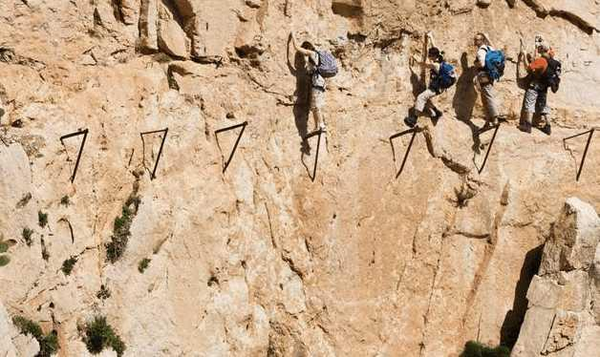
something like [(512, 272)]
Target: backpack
[(494, 63), (327, 65), (552, 75), (447, 75)]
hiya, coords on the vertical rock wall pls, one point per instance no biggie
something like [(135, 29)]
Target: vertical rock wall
[(262, 260)]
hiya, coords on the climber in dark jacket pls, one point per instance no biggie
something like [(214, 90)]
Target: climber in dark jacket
[(423, 101)]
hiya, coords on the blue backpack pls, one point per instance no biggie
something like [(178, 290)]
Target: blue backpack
[(447, 76), (494, 63), (327, 65)]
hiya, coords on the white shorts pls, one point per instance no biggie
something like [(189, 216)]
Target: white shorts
[(317, 98)]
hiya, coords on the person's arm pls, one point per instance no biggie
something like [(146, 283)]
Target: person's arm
[(304, 51), (425, 63), (429, 39), (480, 58)]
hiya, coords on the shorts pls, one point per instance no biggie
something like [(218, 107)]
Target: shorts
[(423, 98), (535, 100), (317, 98)]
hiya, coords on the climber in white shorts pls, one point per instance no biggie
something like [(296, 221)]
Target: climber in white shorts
[(317, 91)]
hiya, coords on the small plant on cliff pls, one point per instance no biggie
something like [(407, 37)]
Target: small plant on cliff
[(476, 349), (64, 200), (42, 219), (98, 335), (48, 343), (463, 195), (143, 265), (27, 233), (103, 293), (4, 260), (68, 265), (121, 229)]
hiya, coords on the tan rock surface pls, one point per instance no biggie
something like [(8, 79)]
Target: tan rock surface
[(561, 319), (261, 260)]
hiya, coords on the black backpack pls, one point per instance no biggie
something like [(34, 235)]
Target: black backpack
[(552, 74)]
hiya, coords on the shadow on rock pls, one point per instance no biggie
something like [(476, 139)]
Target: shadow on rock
[(514, 318), (301, 94)]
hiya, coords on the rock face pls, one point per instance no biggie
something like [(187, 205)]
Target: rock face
[(563, 318), (264, 258)]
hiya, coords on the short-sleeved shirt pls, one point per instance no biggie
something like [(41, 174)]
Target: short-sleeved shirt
[(481, 53), (538, 67), (317, 80), (434, 73)]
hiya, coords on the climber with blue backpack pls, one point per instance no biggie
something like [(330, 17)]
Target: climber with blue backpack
[(441, 77), (490, 65), (321, 65)]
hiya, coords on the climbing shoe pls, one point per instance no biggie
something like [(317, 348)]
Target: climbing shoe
[(525, 127), (436, 115), (547, 129), (410, 121)]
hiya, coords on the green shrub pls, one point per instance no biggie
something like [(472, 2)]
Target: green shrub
[(100, 335), (4, 260), (3, 247), (121, 229), (48, 343), (143, 265), (64, 200), (476, 349), (42, 219), (27, 233), (68, 265)]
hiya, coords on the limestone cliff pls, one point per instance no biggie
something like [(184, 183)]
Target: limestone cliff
[(262, 260)]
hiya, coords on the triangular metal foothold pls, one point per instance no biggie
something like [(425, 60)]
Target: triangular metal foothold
[(243, 126), (585, 151), (162, 143), (77, 133)]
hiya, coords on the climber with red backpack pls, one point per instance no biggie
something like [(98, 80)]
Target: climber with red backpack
[(543, 73), (441, 77), (490, 65), (321, 65)]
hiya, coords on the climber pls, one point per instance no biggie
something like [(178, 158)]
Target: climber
[(541, 77), (442, 77), (490, 65), (321, 65)]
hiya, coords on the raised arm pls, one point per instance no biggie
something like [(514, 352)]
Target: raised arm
[(429, 40), (304, 51)]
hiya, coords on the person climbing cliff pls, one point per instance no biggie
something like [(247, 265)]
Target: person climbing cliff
[(441, 77), (541, 77), (490, 65), (321, 65)]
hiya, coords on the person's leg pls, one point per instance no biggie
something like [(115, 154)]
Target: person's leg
[(419, 106), (317, 104), (544, 111), (316, 112), (488, 98), (529, 101)]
